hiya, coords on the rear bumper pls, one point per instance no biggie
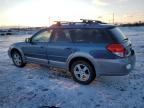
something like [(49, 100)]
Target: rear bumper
[(115, 67)]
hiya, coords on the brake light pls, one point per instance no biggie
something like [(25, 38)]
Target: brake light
[(116, 49)]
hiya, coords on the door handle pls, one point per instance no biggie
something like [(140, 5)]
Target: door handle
[(71, 50), (41, 47), (68, 49)]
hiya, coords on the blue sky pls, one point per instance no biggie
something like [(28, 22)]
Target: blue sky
[(37, 12)]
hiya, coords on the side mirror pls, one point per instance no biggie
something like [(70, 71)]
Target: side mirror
[(28, 40)]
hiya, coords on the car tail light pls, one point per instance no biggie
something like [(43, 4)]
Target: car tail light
[(116, 49)]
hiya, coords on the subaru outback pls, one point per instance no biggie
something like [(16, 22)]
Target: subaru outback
[(86, 49)]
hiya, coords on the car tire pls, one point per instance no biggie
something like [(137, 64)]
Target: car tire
[(17, 59), (82, 72)]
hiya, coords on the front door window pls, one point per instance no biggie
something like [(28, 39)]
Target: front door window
[(42, 36)]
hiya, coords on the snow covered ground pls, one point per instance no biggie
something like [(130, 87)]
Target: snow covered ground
[(35, 86)]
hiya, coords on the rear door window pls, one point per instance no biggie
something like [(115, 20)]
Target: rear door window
[(60, 35)]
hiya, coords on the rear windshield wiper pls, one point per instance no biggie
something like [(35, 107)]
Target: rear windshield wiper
[(126, 39)]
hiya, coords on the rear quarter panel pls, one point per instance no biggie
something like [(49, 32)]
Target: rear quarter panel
[(90, 51)]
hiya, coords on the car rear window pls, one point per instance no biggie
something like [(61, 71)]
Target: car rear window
[(117, 33), (90, 35)]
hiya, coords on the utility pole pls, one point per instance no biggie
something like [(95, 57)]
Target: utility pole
[(49, 20), (113, 18)]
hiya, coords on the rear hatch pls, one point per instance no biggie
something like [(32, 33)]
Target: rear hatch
[(122, 39)]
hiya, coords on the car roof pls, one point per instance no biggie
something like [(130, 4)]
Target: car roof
[(102, 26)]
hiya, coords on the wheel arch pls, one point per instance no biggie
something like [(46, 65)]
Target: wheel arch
[(77, 58), (19, 51)]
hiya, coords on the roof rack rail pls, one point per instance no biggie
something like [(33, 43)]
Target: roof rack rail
[(59, 23), (63, 21), (84, 21), (66, 22), (91, 21)]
